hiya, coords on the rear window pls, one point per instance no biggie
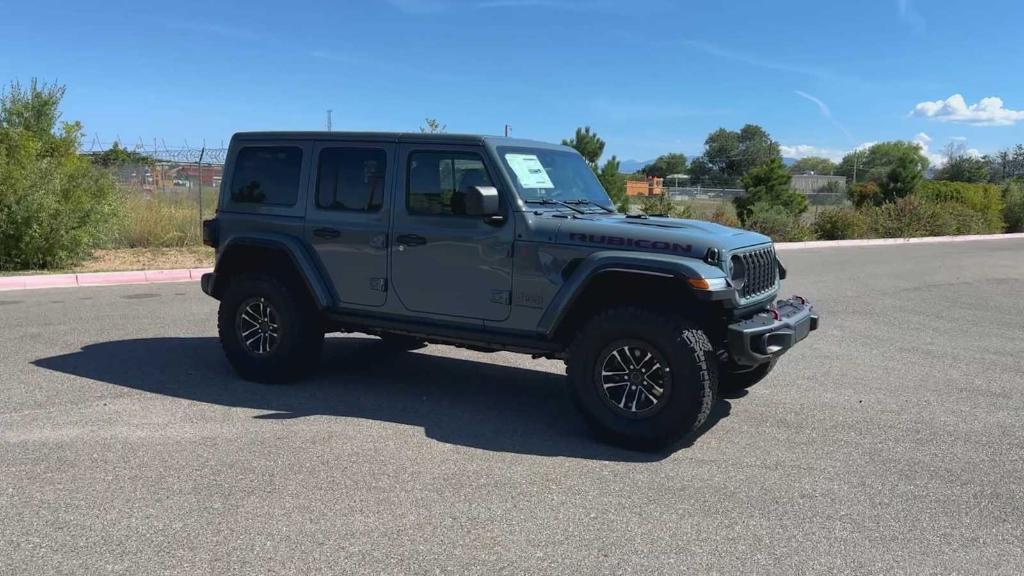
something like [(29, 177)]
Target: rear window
[(267, 175)]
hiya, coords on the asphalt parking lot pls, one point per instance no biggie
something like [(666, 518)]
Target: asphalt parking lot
[(891, 441)]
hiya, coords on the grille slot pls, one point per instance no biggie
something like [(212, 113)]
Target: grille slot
[(762, 273)]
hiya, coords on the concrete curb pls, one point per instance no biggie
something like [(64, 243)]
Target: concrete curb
[(101, 279), (193, 274), (893, 241)]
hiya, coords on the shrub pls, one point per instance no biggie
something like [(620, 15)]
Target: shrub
[(1013, 206), (984, 199), (55, 206), (948, 219), (840, 224), (865, 194), (725, 215), (778, 223), (662, 205), (912, 217)]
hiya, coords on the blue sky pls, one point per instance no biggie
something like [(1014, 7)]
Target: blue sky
[(650, 76)]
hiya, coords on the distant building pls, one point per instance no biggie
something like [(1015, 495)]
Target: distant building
[(652, 186), (817, 183)]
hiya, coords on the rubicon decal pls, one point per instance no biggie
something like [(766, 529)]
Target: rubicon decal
[(630, 242)]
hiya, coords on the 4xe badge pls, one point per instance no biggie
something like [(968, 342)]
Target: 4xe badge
[(630, 242)]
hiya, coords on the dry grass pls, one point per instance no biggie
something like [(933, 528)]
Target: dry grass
[(161, 220), (127, 259)]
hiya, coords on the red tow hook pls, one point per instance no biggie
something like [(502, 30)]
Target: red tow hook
[(803, 301), (775, 314)]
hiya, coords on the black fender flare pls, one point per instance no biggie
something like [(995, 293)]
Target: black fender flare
[(603, 262), (306, 264)]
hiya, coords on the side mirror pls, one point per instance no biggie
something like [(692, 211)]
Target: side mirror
[(481, 200)]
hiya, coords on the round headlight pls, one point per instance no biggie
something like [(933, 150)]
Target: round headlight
[(737, 272)]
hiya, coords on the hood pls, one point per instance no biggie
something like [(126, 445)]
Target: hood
[(690, 238)]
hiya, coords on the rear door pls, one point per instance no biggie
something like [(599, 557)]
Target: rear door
[(444, 261), (347, 217)]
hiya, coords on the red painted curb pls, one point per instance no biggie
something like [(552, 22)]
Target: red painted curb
[(101, 279)]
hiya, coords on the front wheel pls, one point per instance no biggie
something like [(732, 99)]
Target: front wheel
[(269, 333), (642, 379)]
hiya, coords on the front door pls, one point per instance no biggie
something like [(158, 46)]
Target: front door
[(444, 261), (347, 219)]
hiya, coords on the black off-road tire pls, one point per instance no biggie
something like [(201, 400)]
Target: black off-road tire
[(400, 342), (735, 380), (296, 351), (682, 406)]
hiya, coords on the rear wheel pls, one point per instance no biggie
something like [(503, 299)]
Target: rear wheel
[(269, 332), (642, 379)]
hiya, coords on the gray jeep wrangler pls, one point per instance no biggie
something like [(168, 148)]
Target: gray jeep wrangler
[(490, 244)]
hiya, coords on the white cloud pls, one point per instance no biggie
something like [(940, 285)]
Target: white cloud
[(923, 141), (986, 112), (821, 105), (804, 150), (911, 16)]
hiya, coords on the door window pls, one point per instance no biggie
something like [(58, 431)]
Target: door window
[(437, 182), (351, 179)]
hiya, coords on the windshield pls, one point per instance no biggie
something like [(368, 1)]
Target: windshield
[(543, 175)]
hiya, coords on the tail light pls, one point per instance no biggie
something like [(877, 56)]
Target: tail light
[(210, 229)]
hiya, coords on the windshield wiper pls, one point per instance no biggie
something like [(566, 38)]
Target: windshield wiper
[(587, 202), (553, 202)]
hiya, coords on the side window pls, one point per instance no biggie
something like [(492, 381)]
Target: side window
[(351, 179), (437, 181), (267, 175)]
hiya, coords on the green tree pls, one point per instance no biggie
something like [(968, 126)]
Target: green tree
[(433, 126), (55, 206), (588, 144), (768, 184), (815, 164), (960, 166), (874, 163), (901, 180), (614, 182), (116, 155), (35, 109), (666, 165), (700, 169), (732, 154)]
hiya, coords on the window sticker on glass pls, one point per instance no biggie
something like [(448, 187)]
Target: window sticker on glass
[(529, 171)]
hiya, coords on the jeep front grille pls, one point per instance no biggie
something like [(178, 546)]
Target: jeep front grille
[(761, 272)]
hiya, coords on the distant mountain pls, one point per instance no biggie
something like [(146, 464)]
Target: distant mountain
[(789, 161), (630, 166)]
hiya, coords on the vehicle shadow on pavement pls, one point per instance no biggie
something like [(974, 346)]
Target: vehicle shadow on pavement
[(458, 401)]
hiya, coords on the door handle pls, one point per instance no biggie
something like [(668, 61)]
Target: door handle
[(327, 233), (411, 240)]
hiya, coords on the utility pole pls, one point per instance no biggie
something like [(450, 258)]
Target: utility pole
[(329, 120), (506, 130)]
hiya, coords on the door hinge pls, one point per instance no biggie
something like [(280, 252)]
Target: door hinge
[(501, 297), (379, 284)]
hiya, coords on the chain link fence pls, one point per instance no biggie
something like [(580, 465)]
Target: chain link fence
[(167, 192)]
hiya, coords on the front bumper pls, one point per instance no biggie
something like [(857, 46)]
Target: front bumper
[(771, 333)]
